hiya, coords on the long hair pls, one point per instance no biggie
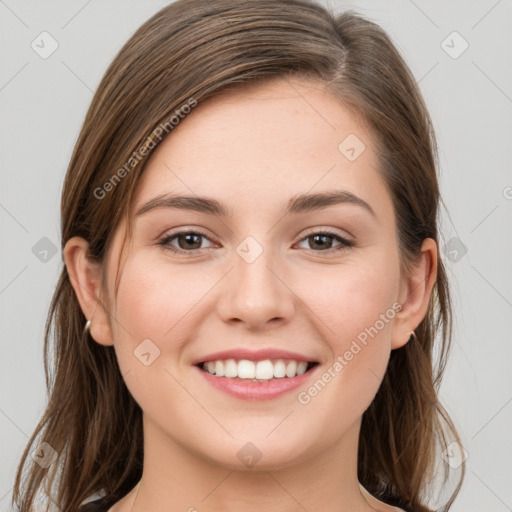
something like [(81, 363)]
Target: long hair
[(187, 52)]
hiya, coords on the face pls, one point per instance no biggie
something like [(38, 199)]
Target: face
[(261, 275)]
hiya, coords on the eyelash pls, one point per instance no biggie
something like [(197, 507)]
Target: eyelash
[(165, 242)]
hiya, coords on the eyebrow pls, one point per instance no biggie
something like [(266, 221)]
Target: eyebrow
[(302, 203)]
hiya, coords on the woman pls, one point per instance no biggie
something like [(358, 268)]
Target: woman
[(252, 283)]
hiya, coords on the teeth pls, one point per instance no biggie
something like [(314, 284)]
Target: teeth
[(256, 370), (291, 369), (279, 369), (219, 368), (230, 368), (302, 367), (246, 369), (264, 370)]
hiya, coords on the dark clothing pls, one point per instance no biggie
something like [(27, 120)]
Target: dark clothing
[(98, 505)]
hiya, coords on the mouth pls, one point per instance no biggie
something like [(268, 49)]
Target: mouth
[(266, 379), (267, 370)]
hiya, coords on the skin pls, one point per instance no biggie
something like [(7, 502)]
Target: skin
[(253, 147)]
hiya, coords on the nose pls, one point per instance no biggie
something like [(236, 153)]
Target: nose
[(256, 294)]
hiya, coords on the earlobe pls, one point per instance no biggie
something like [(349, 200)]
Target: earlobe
[(85, 277), (415, 294)]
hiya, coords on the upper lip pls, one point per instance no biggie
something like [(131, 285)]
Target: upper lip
[(253, 355)]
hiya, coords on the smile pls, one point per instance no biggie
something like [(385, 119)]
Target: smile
[(265, 370), (256, 380)]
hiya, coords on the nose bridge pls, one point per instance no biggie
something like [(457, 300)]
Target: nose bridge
[(255, 292)]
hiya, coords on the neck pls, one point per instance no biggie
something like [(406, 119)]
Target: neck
[(177, 477)]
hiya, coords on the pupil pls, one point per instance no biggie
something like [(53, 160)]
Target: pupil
[(189, 239), (325, 245), (320, 240)]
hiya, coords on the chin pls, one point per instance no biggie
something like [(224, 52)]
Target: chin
[(259, 454)]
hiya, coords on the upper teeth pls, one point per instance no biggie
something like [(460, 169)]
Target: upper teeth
[(263, 370)]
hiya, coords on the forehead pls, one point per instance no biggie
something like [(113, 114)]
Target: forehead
[(266, 143)]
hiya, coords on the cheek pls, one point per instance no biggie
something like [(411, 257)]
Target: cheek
[(154, 309), (351, 297), (154, 297), (355, 305)]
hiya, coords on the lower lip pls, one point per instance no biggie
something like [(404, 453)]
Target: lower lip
[(248, 390)]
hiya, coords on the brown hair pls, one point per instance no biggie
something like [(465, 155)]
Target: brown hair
[(196, 49)]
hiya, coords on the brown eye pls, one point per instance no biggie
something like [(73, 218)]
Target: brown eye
[(187, 241), (323, 241)]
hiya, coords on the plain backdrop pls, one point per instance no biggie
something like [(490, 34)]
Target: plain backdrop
[(460, 53)]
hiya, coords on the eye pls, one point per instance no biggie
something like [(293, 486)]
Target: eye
[(323, 241), (188, 241), (191, 241)]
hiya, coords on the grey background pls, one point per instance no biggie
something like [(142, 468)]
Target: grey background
[(43, 102)]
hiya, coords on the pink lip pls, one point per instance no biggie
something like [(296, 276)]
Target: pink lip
[(253, 355), (248, 390)]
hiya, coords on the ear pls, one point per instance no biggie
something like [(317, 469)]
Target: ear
[(85, 277), (415, 294)]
